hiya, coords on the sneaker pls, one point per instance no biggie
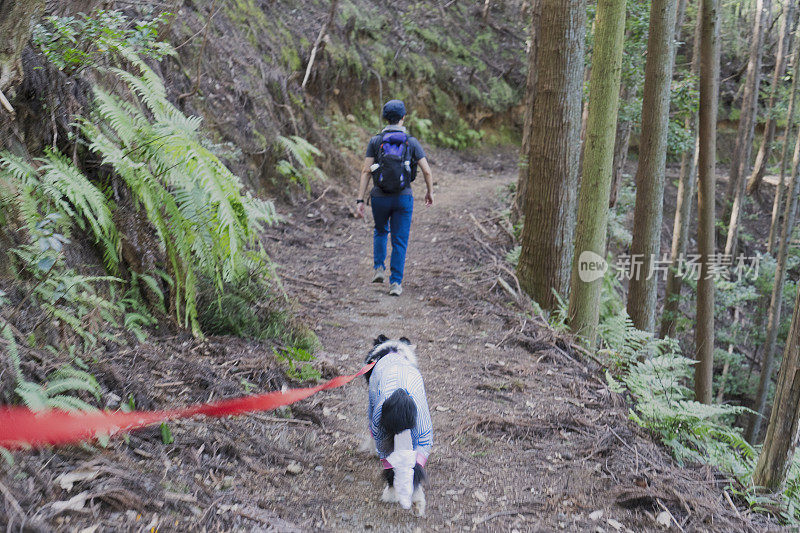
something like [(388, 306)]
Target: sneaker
[(395, 289), (380, 275)]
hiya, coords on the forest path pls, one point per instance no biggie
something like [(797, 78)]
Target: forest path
[(525, 437)]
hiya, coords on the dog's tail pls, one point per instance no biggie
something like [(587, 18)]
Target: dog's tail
[(398, 418), (399, 413)]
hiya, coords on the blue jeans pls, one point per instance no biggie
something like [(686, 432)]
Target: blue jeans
[(392, 213)]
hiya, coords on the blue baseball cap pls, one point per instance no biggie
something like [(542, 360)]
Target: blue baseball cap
[(394, 110)]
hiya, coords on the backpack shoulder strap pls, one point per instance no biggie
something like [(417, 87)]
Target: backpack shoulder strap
[(379, 151)]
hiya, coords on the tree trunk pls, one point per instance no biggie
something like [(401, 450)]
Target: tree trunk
[(680, 18), (747, 120), (707, 126), (749, 90), (687, 180), (782, 432), (765, 150), (530, 95), (598, 159), (547, 236), (621, 143), (774, 226), (776, 299), (650, 176), (687, 183)]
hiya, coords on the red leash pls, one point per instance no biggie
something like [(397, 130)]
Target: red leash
[(21, 427)]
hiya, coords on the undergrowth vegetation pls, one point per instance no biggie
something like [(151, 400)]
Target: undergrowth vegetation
[(176, 231), (656, 378)]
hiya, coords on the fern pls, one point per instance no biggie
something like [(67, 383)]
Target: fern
[(201, 215), (303, 153), (656, 375), (65, 189), (52, 395)]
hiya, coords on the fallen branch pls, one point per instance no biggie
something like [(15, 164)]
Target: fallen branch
[(503, 283), (480, 227), (730, 502), (588, 354), (321, 195), (670, 514), (6, 104), (322, 33)]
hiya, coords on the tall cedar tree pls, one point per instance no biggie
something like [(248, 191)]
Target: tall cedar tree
[(687, 180), (647, 215), (775, 226), (598, 159), (624, 127), (776, 299), (765, 150), (707, 158), (779, 444), (547, 236), (740, 159), (530, 96)]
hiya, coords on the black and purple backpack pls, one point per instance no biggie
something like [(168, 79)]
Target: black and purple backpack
[(393, 173)]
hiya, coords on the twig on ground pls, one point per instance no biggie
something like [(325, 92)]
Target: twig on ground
[(12, 501), (588, 354), (730, 502), (480, 227), (266, 418), (670, 514), (503, 283), (298, 280), (6, 104), (513, 276), (321, 195), (499, 514), (648, 461)]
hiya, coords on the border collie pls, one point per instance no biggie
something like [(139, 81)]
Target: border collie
[(399, 420)]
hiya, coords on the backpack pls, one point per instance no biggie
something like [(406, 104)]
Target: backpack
[(392, 172)]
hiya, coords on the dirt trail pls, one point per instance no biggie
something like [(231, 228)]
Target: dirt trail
[(525, 436)]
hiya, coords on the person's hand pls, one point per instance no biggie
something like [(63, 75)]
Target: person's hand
[(429, 198), (360, 210)]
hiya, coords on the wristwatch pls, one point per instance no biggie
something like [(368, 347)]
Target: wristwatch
[(359, 201)]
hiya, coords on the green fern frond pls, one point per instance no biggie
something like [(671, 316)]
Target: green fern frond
[(69, 403), (71, 378), (32, 395), (59, 386)]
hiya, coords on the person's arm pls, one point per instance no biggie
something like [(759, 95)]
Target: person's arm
[(426, 173), (363, 186)]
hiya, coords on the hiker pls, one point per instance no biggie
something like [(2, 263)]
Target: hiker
[(392, 159)]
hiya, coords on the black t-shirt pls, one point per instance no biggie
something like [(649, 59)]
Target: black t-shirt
[(417, 153)]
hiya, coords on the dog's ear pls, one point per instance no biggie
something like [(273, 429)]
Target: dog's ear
[(380, 340), (405, 340)]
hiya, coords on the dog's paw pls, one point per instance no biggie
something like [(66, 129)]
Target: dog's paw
[(389, 495), (418, 501)]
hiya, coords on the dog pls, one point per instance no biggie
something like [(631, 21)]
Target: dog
[(399, 420)]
